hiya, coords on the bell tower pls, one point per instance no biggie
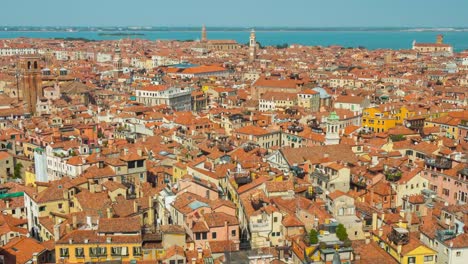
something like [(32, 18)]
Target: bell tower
[(203, 34), (31, 82), (332, 136), (117, 58), (252, 46)]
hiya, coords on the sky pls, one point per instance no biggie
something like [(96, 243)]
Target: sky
[(248, 13)]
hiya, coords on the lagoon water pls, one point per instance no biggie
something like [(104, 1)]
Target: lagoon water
[(369, 39)]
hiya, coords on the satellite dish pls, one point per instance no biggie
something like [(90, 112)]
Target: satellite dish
[(408, 125)]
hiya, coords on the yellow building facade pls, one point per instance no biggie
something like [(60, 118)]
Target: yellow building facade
[(414, 252), (29, 178), (377, 121), (86, 246)]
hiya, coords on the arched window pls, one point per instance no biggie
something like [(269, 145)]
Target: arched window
[(29, 65), (35, 65)]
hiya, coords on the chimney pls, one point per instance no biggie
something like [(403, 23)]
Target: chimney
[(34, 258), (88, 221), (200, 253), (135, 206), (374, 221), (56, 232), (367, 240), (150, 201), (409, 218), (399, 249), (74, 222), (109, 212), (380, 232), (194, 261), (68, 228), (7, 203)]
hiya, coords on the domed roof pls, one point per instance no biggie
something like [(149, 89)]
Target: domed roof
[(322, 92)]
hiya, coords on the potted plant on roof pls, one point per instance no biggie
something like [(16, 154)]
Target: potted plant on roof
[(393, 174)]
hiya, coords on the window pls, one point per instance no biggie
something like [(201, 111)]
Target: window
[(64, 252), (411, 260), (136, 251), (79, 252), (140, 163), (213, 235), (428, 258), (197, 236), (275, 219), (60, 206), (445, 192), (233, 233), (42, 209), (204, 235), (458, 253), (92, 252), (119, 251), (97, 251)]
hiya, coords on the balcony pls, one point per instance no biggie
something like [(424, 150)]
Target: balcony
[(319, 174), (438, 163), (464, 172), (444, 235), (259, 227), (298, 171), (399, 236)]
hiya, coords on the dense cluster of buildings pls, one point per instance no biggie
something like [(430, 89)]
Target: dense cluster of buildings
[(211, 151)]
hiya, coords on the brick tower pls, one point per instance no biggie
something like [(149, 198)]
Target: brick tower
[(31, 83)]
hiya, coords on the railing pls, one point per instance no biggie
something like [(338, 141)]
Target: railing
[(320, 175), (439, 163), (259, 226), (445, 234)]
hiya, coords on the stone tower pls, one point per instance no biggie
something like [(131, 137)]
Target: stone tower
[(252, 46), (333, 136), (31, 82), (203, 34)]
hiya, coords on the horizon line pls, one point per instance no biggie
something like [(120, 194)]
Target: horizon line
[(231, 26)]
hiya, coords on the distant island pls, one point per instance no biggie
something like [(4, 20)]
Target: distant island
[(121, 34), (75, 39)]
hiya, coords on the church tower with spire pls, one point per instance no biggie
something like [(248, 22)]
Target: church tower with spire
[(252, 46)]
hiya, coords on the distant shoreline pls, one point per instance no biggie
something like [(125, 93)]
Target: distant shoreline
[(123, 34), (137, 31)]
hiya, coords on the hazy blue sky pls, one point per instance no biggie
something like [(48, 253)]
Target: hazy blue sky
[(311, 13)]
